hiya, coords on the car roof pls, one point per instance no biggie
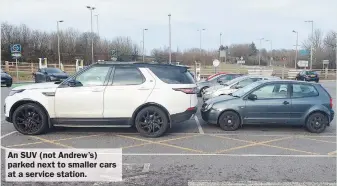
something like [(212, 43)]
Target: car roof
[(287, 81), (139, 64)]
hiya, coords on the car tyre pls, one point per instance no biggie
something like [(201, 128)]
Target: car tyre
[(30, 119), (229, 121), (151, 122), (316, 122)]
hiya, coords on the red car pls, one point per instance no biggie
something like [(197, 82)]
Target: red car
[(215, 75)]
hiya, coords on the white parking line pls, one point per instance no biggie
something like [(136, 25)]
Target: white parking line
[(8, 134), (255, 183), (198, 124)]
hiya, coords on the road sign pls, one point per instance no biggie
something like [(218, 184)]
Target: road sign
[(241, 62), (304, 52), (223, 53), (15, 51), (302, 63), (216, 63), (325, 62)]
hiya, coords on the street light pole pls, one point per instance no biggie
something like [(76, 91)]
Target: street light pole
[(200, 40), (296, 55), (92, 34), (97, 24), (260, 51), (170, 53), (312, 42), (271, 50), (58, 42), (144, 44), (220, 38)]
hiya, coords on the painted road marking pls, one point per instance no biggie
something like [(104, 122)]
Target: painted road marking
[(198, 124), (8, 134), (255, 183), (307, 138), (52, 142)]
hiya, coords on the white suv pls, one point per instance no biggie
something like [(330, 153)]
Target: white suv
[(107, 94)]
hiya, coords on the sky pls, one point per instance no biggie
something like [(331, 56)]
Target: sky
[(239, 21)]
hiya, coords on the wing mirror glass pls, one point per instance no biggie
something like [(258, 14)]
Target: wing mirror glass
[(252, 97), (74, 83)]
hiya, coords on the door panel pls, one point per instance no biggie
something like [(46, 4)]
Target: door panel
[(129, 89), (79, 102), (86, 100), (271, 106)]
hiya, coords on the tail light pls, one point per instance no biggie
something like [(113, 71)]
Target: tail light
[(331, 104), (186, 90)]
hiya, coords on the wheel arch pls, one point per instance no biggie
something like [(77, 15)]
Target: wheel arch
[(317, 111), (25, 101), (150, 104), (241, 120)]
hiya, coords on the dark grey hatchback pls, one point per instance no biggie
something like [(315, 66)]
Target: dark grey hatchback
[(272, 102)]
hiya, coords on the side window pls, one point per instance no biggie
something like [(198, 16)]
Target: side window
[(271, 91), (301, 91), (173, 75), (127, 76), (94, 76)]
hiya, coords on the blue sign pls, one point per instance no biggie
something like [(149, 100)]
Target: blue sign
[(16, 51), (304, 52), (16, 48)]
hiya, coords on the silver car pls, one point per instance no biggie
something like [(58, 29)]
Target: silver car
[(234, 85)]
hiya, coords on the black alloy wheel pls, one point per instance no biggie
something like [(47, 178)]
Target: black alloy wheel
[(229, 121), (30, 119), (151, 122), (317, 122)]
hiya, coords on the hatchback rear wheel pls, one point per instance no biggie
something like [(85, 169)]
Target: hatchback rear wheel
[(317, 122), (151, 122), (229, 121)]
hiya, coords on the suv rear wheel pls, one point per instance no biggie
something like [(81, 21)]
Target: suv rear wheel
[(151, 121), (30, 119)]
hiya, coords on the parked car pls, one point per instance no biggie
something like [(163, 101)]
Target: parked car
[(151, 97), (6, 79), (234, 85), (49, 75), (272, 101), (215, 75), (217, 80), (308, 75)]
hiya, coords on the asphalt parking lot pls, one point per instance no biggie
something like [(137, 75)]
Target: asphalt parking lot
[(195, 153)]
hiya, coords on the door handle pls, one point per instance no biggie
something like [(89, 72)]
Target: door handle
[(285, 103), (143, 88)]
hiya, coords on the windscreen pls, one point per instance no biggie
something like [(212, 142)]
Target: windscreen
[(53, 70), (246, 89)]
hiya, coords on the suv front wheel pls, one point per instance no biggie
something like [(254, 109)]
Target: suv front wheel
[(151, 122), (30, 119)]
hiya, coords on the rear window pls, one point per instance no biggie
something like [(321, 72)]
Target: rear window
[(311, 73), (173, 75)]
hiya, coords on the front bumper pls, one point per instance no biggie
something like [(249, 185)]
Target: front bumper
[(183, 116), (210, 116), (55, 78), (206, 97)]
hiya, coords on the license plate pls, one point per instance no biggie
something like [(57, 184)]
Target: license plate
[(313, 76)]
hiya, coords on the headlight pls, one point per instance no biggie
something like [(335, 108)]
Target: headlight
[(208, 107), (52, 77), (12, 92)]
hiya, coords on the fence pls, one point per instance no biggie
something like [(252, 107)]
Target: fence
[(25, 70)]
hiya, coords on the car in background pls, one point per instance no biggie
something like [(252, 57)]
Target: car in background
[(234, 85), (6, 79), (216, 80), (49, 75), (149, 97), (307, 75), (272, 102), (215, 75)]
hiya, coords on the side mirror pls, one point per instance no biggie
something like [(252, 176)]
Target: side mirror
[(238, 87), (45, 73), (252, 97), (74, 83)]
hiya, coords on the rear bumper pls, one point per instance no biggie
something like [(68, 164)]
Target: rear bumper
[(183, 116), (210, 116), (332, 115)]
